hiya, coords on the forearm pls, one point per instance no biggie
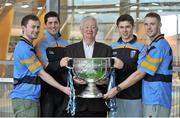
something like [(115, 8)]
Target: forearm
[(132, 79), (50, 80)]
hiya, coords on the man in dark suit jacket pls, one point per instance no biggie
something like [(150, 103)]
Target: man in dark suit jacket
[(88, 48)]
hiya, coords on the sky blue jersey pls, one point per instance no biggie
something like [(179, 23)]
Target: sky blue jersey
[(157, 84), (52, 42), (26, 66)]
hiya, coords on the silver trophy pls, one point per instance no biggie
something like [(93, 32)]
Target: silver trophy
[(91, 70)]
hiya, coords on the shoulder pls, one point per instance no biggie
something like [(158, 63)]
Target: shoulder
[(162, 44), (100, 44), (64, 42), (43, 42), (140, 45), (22, 49), (74, 45), (115, 44), (22, 46)]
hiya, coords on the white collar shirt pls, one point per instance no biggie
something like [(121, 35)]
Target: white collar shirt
[(88, 49)]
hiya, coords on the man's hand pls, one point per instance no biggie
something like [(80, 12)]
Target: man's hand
[(102, 81), (118, 63), (79, 81), (111, 93), (64, 61), (50, 80), (67, 90)]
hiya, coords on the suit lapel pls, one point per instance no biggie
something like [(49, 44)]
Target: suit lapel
[(80, 51), (95, 51)]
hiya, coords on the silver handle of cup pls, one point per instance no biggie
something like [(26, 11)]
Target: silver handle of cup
[(71, 67), (70, 64), (112, 62)]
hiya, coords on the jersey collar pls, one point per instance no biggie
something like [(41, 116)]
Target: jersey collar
[(158, 38), (131, 41), (53, 37), (26, 41)]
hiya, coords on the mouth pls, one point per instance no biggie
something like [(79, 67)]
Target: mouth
[(89, 34), (53, 30), (126, 34), (149, 31)]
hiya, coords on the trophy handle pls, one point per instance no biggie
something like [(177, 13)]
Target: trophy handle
[(112, 61), (70, 64)]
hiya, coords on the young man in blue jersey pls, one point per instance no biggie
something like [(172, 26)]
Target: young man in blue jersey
[(27, 70), (156, 68), (131, 52), (50, 50)]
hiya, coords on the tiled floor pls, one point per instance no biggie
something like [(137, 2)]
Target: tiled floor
[(6, 110)]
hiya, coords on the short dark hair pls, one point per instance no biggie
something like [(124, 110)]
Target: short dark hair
[(125, 17), (155, 15), (26, 18), (51, 14)]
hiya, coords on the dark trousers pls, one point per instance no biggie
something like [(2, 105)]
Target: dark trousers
[(51, 104), (89, 114)]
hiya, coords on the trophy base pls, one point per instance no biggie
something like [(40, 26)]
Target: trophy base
[(85, 95), (91, 91)]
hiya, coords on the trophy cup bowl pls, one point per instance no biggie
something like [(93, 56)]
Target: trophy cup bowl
[(91, 70)]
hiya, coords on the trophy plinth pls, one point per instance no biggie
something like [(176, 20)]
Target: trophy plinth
[(91, 91), (91, 70)]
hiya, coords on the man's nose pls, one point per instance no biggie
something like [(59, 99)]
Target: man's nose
[(124, 29), (148, 26), (53, 25), (90, 29)]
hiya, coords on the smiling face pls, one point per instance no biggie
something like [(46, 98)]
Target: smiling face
[(152, 27), (52, 25), (31, 30), (89, 30), (125, 30)]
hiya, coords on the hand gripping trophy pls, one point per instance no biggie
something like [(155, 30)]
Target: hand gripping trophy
[(91, 70)]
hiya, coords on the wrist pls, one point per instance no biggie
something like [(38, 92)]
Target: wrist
[(118, 88)]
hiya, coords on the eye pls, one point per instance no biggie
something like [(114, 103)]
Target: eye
[(120, 27), (93, 27), (128, 26), (145, 24), (86, 27), (49, 23), (56, 22)]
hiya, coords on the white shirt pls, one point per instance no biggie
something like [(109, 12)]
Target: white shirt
[(88, 49)]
